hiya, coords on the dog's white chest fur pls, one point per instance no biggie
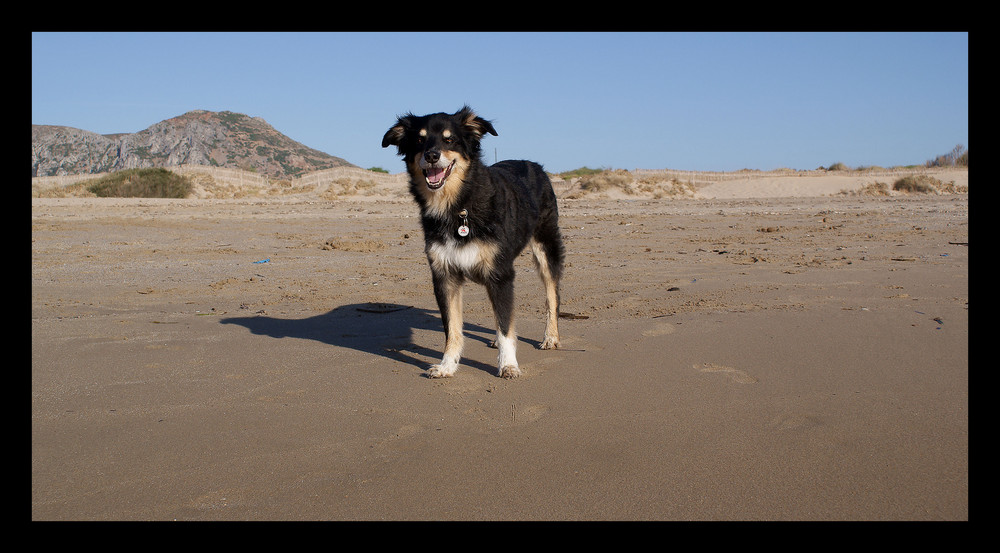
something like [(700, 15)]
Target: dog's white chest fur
[(468, 257)]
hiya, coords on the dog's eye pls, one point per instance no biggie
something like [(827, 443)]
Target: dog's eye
[(449, 139)]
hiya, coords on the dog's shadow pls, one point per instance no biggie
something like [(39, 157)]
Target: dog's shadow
[(380, 329)]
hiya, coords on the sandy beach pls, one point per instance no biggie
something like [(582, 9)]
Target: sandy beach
[(760, 350)]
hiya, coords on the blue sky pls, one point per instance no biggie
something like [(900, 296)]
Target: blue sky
[(688, 101)]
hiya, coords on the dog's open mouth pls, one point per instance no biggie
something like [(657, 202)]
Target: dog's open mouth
[(436, 176)]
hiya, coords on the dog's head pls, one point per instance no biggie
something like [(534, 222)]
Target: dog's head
[(438, 148)]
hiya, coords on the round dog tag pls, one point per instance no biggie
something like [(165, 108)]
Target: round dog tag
[(463, 230)]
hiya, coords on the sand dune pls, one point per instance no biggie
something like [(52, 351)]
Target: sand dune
[(361, 184)]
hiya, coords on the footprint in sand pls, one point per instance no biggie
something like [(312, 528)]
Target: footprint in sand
[(529, 414), (217, 499), (659, 330), (577, 343), (738, 375), (794, 421), (544, 362), (404, 431)]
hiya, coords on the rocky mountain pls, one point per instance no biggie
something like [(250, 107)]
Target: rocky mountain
[(223, 139)]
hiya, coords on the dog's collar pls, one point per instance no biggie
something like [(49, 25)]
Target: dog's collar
[(463, 230)]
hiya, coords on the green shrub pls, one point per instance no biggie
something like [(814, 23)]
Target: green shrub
[(581, 172), (141, 183)]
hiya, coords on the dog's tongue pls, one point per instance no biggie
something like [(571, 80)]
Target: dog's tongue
[(435, 175)]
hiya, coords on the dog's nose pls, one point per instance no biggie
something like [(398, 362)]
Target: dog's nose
[(431, 156)]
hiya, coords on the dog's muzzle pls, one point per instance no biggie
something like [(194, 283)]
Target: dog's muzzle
[(436, 172)]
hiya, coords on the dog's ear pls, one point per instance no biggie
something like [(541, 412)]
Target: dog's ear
[(394, 135), (474, 123)]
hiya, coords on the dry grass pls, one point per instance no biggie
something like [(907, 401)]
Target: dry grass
[(285, 187), (662, 186), (874, 189), (916, 183), (909, 184), (349, 186), (611, 181), (925, 184), (77, 190)]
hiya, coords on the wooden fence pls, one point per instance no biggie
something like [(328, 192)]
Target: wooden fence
[(223, 177), (748, 174)]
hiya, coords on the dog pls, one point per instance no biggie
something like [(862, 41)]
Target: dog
[(477, 220)]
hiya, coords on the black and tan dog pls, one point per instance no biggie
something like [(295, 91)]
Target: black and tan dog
[(476, 221)]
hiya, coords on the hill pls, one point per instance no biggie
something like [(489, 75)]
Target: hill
[(219, 139)]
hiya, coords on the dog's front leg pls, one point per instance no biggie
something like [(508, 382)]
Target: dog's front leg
[(448, 292), (501, 294)]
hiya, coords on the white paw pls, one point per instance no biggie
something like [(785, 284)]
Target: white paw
[(549, 343), (510, 371), (443, 370)]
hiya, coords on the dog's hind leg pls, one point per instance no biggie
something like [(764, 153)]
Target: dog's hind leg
[(549, 266), (501, 294), (448, 292)]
